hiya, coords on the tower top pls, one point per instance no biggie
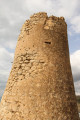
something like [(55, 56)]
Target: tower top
[(44, 14)]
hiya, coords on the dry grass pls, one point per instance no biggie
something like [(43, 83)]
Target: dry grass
[(78, 103)]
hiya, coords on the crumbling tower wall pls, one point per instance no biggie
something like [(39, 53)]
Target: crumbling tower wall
[(40, 85)]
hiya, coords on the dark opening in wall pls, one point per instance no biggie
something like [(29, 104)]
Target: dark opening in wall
[(48, 42)]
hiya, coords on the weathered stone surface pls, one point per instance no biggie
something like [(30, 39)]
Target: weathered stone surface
[(40, 85)]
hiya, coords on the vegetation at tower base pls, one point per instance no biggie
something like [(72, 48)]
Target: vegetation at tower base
[(78, 103), (40, 85)]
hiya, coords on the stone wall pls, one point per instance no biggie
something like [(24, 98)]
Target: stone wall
[(40, 85)]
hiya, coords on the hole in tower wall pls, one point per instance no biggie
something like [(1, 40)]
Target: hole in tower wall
[(48, 42)]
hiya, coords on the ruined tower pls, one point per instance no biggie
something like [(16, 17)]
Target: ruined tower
[(40, 85)]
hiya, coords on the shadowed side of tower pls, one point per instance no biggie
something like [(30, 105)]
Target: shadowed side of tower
[(40, 85)]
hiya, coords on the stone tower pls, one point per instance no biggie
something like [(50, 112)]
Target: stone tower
[(40, 85)]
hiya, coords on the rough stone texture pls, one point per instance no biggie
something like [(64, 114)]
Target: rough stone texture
[(40, 85)]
